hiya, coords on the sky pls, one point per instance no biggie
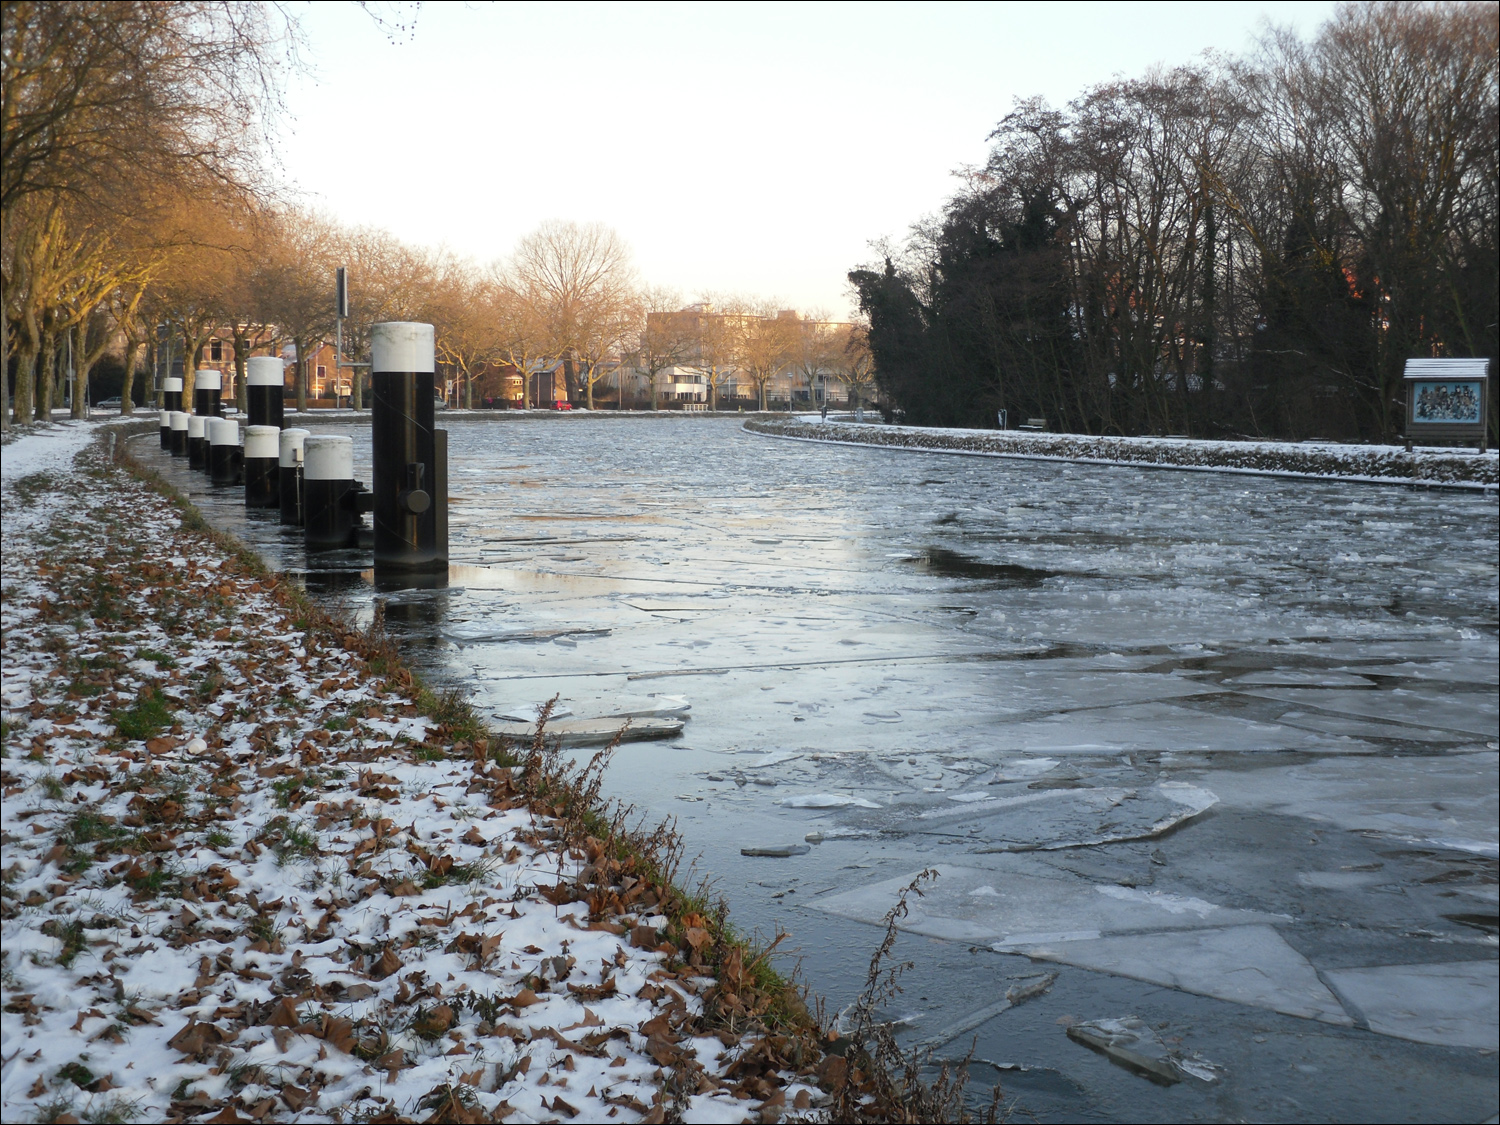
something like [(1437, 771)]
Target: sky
[(755, 149)]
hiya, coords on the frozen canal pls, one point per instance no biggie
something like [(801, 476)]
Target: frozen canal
[(1217, 751)]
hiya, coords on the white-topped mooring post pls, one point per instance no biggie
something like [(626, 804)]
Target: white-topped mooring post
[(207, 387), (197, 442), (265, 382), (171, 399), (262, 462), (409, 454), (223, 451), (328, 492), (289, 474), (179, 433)]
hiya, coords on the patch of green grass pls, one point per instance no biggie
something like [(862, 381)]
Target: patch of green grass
[(78, 1074), (52, 787), (112, 1111), (147, 717), (288, 839), (218, 838), (288, 789), (74, 942), (28, 488), (460, 874), (426, 753), (160, 659), (54, 1109), (338, 722)]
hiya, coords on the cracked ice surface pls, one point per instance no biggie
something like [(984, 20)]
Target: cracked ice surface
[(1017, 655)]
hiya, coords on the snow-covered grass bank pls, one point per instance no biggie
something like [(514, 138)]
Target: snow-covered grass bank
[(248, 875), (1384, 464)]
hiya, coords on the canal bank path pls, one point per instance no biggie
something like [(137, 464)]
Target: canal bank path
[(247, 878)]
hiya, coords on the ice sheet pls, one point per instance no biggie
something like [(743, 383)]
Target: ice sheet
[(1470, 712), (1456, 1004), (1448, 801), (1012, 905), (1065, 818), (1245, 964)]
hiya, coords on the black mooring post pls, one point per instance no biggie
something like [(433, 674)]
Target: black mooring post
[(406, 473), (179, 445), (171, 394), (197, 441), (328, 491), (265, 390), (262, 467), (164, 419), (207, 386), (289, 475), (223, 452)]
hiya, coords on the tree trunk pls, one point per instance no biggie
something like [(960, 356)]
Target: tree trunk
[(653, 391), (301, 374), (127, 392), (468, 391), (81, 367), (25, 399), (588, 381), (5, 359), (241, 392), (713, 396), (46, 374)]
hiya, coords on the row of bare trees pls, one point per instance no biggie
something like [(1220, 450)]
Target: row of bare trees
[(140, 216), (118, 120), (1252, 245)]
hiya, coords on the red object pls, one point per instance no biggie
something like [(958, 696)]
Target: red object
[(562, 404)]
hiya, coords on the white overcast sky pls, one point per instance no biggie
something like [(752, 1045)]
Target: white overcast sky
[(755, 149)]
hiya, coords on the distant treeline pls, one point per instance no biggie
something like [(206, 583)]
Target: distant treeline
[(1247, 247)]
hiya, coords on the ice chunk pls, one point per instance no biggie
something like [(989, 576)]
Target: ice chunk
[(1049, 819), (1250, 964), (1304, 677), (1455, 1004), (596, 732), (1026, 907), (1023, 769), (777, 851), (826, 801), (530, 712), (1451, 802), (1130, 1043)]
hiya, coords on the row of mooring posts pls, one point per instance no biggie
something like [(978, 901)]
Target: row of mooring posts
[(309, 478)]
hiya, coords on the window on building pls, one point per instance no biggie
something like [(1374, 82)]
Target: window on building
[(322, 371), (216, 350)]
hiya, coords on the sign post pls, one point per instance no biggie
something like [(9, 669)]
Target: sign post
[(1448, 399)]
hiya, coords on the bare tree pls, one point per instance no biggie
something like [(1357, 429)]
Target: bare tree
[(666, 338), (581, 282)]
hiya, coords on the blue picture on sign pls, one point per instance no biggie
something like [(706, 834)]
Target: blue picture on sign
[(1452, 402)]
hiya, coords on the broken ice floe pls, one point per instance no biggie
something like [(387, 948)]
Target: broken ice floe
[(595, 732), (1050, 819), (1131, 1043), (1174, 940), (1456, 1004), (826, 801), (1245, 964), (777, 851), (1448, 802)]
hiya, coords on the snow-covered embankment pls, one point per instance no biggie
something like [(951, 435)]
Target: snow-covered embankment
[(1386, 464), (246, 878)]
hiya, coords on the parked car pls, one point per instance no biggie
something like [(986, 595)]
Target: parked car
[(562, 404), (108, 404)]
